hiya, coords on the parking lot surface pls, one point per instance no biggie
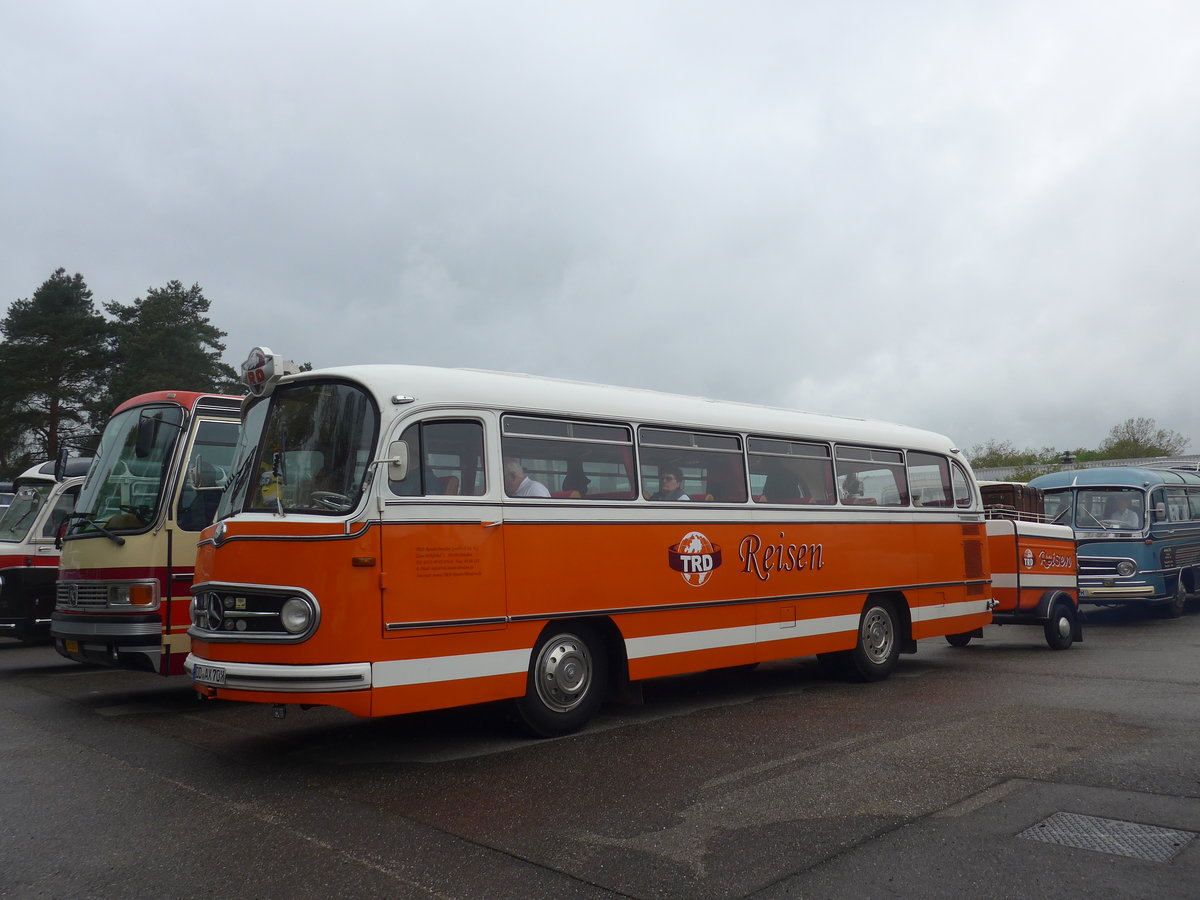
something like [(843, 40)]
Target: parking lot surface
[(997, 770)]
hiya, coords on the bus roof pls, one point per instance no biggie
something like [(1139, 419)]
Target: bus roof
[(432, 387), (1115, 476), (76, 466), (187, 399)]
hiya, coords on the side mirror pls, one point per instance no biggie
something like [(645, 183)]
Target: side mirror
[(1160, 512), (147, 430), (60, 465), (398, 460)]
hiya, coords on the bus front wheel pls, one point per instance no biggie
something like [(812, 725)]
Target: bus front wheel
[(1174, 607), (567, 679)]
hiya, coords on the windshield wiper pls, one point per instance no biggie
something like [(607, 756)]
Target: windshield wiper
[(115, 538)]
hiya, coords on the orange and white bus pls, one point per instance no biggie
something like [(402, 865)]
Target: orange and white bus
[(130, 548), (400, 538)]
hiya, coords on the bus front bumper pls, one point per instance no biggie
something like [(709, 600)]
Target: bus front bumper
[(1117, 593), (240, 676)]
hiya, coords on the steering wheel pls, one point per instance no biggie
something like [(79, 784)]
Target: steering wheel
[(331, 500)]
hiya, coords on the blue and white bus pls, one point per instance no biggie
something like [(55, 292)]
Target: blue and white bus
[(1137, 532)]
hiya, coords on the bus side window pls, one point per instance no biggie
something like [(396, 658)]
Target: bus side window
[(712, 465), (962, 487), (63, 507), (784, 471), (445, 458), (572, 460), (1194, 502), (869, 476), (929, 479)]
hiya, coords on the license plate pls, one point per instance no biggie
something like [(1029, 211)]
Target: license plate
[(208, 674), (72, 646)]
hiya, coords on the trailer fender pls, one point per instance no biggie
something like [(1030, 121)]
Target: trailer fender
[(1046, 603)]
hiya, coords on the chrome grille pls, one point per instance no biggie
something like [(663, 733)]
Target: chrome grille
[(81, 595)]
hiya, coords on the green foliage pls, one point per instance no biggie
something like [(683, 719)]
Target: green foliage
[(1141, 437), (53, 361), (996, 453), (1132, 439), (164, 341)]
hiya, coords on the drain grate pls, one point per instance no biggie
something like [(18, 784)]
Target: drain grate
[(1110, 836)]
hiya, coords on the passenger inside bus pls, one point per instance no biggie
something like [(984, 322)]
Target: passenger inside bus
[(518, 484), (670, 485), (577, 482)]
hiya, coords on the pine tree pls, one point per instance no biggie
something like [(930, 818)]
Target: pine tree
[(53, 362), (164, 341)]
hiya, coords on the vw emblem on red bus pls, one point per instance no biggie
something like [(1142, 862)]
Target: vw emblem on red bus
[(695, 557)]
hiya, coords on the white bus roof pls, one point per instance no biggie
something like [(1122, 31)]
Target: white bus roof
[(433, 387)]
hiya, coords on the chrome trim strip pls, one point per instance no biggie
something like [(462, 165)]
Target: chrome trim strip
[(280, 678)]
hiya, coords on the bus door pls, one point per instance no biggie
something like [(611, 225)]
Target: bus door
[(441, 540), (193, 503)]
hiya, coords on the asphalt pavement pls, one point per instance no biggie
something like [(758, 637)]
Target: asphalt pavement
[(1001, 769)]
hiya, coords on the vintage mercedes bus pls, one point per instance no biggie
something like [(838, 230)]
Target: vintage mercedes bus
[(130, 545), (1137, 531), (29, 529), (399, 538)]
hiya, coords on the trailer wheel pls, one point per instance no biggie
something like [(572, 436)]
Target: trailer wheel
[(958, 640), (567, 679), (878, 648), (1060, 627)]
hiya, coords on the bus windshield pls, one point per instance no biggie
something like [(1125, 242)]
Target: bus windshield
[(305, 449), (125, 484), (20, 515), (1098, 509)]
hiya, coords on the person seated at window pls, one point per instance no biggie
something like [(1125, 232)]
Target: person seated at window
[(518, 484), (670, 486), (1120, 512), (782, 484), (576, 481)]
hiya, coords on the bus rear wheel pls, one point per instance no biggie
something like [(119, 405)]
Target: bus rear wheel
[(567, 679), (959, 640)]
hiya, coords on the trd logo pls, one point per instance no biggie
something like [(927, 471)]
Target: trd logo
[(695, 557)]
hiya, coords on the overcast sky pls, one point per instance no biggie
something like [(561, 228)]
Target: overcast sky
[(975, 217)]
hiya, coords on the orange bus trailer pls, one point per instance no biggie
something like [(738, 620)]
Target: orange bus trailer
[(399, 538)]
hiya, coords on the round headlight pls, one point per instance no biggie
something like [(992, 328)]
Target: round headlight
[(1126, 567), (296, 615)]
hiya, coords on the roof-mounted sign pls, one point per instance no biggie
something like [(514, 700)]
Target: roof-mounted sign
[(263, 368)]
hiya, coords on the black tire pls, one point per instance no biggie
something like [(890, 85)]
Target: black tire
[(958, 640), (568, 675), (878, 647), (1060, 627), (1173, 608)]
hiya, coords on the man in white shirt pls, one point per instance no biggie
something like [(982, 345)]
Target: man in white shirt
[(518, 484)]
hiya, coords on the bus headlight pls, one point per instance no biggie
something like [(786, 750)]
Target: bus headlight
[(1126, 567), (296, 616)]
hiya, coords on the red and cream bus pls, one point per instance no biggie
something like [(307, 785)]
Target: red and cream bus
[(399, 538), (130, 548)]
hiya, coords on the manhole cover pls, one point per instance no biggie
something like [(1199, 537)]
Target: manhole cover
[(1110, 836)]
